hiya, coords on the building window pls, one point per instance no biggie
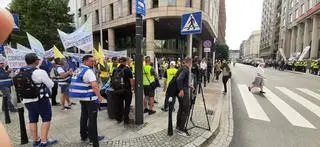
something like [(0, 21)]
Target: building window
[(297, 13), (130, 6), (85, 17), (111, 12), (84, 2), (120, 8), (189, 3), (310, 4), (104, 14), (172, 2), (303, 9), (291, 3), (291, 17), (97, 16), (155, 4)]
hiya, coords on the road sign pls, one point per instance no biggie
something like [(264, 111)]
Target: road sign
[(191, 23), (207, 44), (141, 7), (207, 50), (16, 22)]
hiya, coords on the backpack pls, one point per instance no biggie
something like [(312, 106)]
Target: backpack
[(117, 79), (24, 85)]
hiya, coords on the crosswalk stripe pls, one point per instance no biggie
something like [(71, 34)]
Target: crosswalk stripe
[(254, 109), (304, 102), (292, 115), (309, 92)]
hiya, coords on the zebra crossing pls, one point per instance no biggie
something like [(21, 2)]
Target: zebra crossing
[(302, 96)]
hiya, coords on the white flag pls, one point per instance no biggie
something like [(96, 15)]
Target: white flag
[(36, 46), (82, 38), (23, 48)]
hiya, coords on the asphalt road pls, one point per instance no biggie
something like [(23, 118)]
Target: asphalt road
[(287, 115)]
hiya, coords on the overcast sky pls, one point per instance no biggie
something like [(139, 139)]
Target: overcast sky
[(243, 17), (4, 3)]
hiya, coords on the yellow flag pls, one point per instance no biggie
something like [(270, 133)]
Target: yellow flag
[(100, 55), (57, 53)]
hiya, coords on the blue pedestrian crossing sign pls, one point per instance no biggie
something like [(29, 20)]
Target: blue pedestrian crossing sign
[(16, 22), (191, 23)]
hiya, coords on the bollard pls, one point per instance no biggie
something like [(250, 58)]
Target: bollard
[(23, 132), (6, 110), (170, 128)]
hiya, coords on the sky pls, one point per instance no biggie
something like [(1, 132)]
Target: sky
[(243, 17), (4, 3)]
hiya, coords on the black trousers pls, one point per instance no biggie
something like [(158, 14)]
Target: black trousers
[(54, 93), (183, 112), (123, 102), (224, 81), (88, 121)]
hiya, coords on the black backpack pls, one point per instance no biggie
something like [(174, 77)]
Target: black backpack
[(24, 85), (117, 79)]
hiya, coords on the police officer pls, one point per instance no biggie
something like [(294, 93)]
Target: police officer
[(84, 87), (5, 86), (183, 97), (168, 75), (149, 91)]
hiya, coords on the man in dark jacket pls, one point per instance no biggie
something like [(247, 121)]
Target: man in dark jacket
[(183, 97)]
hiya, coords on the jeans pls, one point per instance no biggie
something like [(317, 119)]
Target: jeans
[(88, 121), (122, 110), (183, 112), (224, 81), (6, 92)]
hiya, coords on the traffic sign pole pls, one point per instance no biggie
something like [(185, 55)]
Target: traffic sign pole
[(190, 55)]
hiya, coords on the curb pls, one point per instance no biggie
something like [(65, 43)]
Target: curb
[(301, 73), (223, 122)]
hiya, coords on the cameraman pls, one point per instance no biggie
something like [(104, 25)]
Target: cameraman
[(183, 97)]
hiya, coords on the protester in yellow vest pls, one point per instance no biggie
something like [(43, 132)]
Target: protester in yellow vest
[(168, 75), (149, 91), (113, 65)]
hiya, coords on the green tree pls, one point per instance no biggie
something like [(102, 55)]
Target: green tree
[(42, 18), (222, 52)]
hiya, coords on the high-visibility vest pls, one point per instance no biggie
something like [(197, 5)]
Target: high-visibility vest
[(79, 89), (171, 72), (5, 80), (147, 77), (61, 81)]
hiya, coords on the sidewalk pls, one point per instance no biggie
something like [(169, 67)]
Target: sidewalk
[(65, 125)]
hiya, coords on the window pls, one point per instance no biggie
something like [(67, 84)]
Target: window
[(84, 2), (291, 3), (120, 8), (130, 6), (103, 14), (189, 3), (111, 12), (155, 4), (172, 2), (97, 16), (310, 4), (284, 22), (291, 17), (85, 17), (297, 13), (303, 9)]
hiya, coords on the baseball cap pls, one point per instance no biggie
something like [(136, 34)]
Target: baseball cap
[(31, 58), (173, 63)]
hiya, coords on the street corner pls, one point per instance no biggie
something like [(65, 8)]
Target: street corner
[(221, 133)]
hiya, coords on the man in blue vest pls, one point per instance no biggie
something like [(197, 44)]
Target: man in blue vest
[(84, 87), (5, 86)]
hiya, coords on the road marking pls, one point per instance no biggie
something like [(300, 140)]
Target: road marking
[(304, 102), (253, 108), (287, 111), (309, 92)]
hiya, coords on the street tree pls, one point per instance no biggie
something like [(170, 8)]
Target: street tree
[(42, 18), (222, 51)]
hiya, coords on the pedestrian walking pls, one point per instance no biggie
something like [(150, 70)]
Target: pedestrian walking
[(63, 76), (259, 79), (122, 84), (217, 69), (149, 86), (35, 96), (5, 86), (203, 67), (226, 75), (209, 70), (183, 97), (84, 87)]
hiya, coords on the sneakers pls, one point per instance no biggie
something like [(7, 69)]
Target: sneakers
[(48, 143), (151, 112), (72, 103), (36, 143), (66, 108), (183, 133), (145, 110), (165, 109)]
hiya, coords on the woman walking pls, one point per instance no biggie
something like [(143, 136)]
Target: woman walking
[(226, 74)]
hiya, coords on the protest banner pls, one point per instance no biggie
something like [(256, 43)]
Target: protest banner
[(82, 38), (15, 58), (23, 48), (110, 54), (304, 53)]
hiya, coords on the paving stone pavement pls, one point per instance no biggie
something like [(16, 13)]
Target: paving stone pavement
[(65, 125)]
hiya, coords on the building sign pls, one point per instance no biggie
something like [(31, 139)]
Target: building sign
[(141, 7)]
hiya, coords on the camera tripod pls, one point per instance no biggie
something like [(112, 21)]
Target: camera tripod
[(193, 97)]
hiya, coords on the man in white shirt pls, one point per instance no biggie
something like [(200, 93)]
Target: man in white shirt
[(203, 67), (39, 105)]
